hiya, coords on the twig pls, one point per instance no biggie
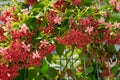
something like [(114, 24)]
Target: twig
[(64, 69)]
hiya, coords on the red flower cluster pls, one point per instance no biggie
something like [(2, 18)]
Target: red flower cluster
[(49, 28), (74, 37), (20, 55), (8, 72), (52, 19), (20, 51), (16, 52), (61, 5), (45, 50), (22, 32), (6, 16)]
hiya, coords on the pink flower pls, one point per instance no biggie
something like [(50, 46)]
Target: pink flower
[(118, 6), (108, 25), (21, 32), (8, 25), (1, 50), (116, 25), (57, 20), (89, 29), (25, 11), (17, 34), (26, 47), (24, 28), (8, 19), (104, 13), (113, 2), (6, 16), (35, 55), (101, 20), (2, 38), (43, 43)]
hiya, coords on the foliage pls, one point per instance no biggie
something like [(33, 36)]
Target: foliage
[(45, 39)]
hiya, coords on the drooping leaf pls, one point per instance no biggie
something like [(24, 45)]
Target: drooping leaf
[(59, 48), (114, 17), (44, 67), (52, 73), (89, 70), (111, 48)]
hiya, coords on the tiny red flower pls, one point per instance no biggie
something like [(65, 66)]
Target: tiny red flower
[(31, 2), (76, 2)]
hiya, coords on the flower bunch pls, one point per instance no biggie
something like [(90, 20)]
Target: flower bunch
[(19, 52), (116, 4), (29, 34)]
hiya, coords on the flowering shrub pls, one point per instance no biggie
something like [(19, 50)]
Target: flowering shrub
[(32, 32)]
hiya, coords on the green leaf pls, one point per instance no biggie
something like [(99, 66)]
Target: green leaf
[(114, 17), (38, 5), (89, 70), (114, 69), (87, 2), (44, 67), (15, 25), (111, 48), (59, 48), (23, 74), (49, 57), (52, 72), (31, 22), (31, 74)]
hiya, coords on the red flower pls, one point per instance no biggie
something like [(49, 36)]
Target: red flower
[(22, 32), (76, 2), (6, 16), (15, 53), (59, 5), (117, 39), (31, 2), (46, 49), (85, 22), (89, 30), (101, 0), (57, 20), (49, 29)]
